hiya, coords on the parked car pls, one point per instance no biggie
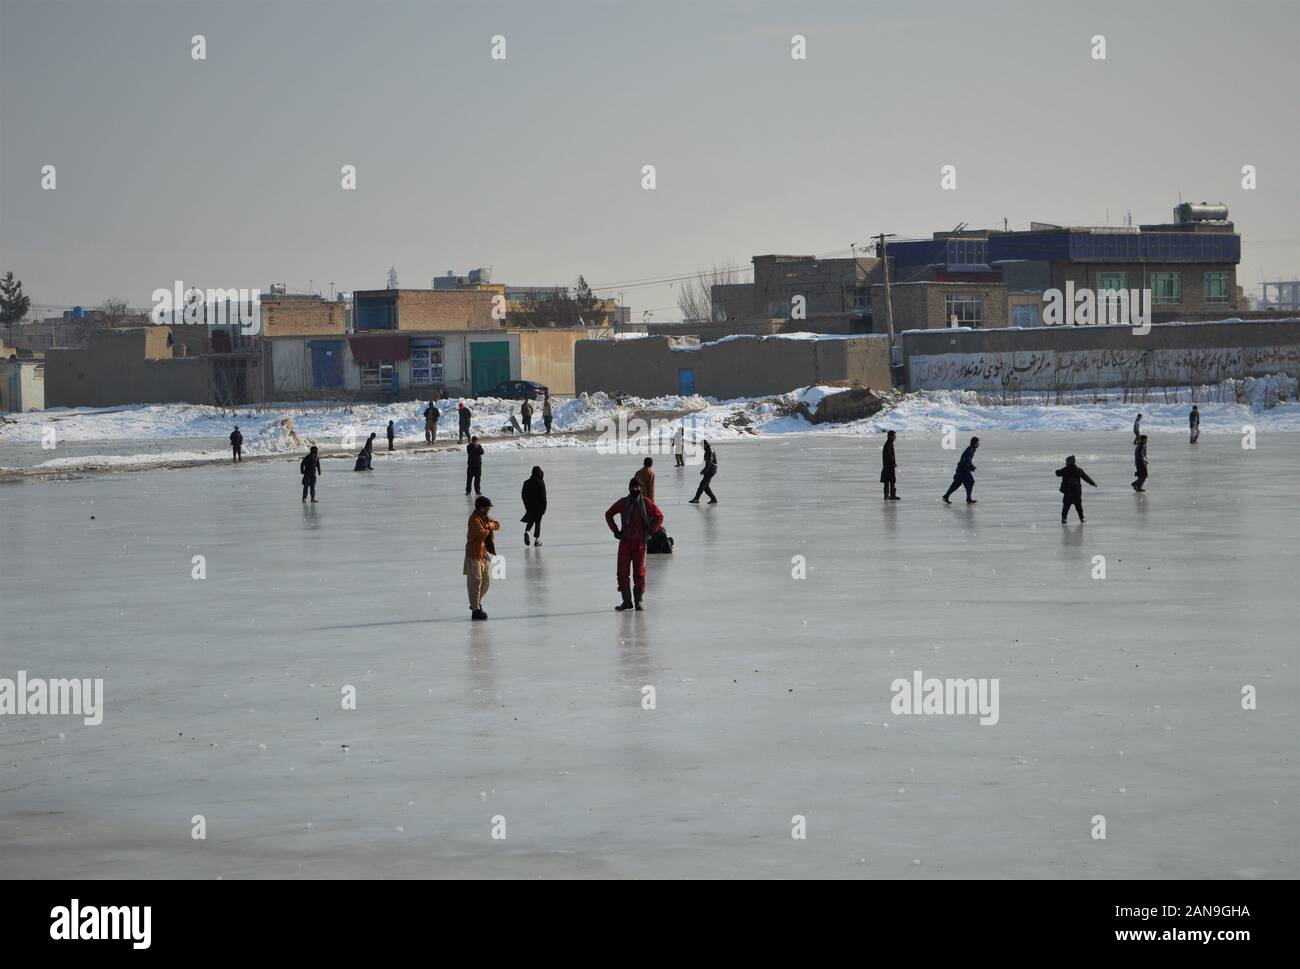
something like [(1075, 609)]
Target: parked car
[(516, 390)]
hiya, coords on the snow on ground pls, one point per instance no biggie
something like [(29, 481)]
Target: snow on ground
[(1119, 697), (1268, 404)]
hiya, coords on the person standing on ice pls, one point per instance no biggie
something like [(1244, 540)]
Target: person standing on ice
[(640, 519), (1137, 429), (646, 475), (463, 415), (679, 447), (708, 471), (309, 467), (431, 415), (474, 466), (237, 445), (478, 564), (889, 467), (1194, 423), (1140, 463), (546, 412), (534, 498), (390, 435), (964, 476), (1072, 478), (526, 413)]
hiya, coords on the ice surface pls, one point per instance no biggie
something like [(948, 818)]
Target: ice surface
[(1118, 697)]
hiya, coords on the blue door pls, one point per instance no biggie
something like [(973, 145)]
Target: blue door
[(327, 364), (686, 381)]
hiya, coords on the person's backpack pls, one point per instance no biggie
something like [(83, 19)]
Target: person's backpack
[(660, 544)]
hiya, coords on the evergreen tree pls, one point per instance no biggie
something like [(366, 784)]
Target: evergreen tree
[(14, 304)]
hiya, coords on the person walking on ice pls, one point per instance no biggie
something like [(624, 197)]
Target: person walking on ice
[(237, 445), (463, 415), (889, 467), (708, 471), (1194, 423), (1140, 464), (478, 562), (390, 433), (1137, 429), (534, 498), (646, 476), (639, 519), (1072, 478), (679, 447), (474, 466), (964, 476), (309, 467)]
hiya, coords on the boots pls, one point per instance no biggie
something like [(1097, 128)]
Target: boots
[(626, 603), (639, 607), (526, 542)]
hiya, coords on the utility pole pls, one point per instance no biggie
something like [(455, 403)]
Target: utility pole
[(889, 306)]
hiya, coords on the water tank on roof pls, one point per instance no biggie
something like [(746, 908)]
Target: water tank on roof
[(1200, 212), (78, 313), (480, 275)]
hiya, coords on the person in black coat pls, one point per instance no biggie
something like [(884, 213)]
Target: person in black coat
[(1140, 463), (463, 414), (534, 497), (708, 471), (367, 455), (237, 444), (964, 477), (1072, 478), (309, 467), (390, 435), (474, 468), (889, 467)]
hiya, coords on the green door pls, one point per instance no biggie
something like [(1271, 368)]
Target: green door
[(489, 364)]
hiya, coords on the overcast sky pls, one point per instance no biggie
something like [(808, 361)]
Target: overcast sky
[(225, 172)]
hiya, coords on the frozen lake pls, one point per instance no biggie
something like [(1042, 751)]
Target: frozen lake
[(1119, 697)]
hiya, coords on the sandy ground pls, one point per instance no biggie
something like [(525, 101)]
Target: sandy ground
[(1118, 697)]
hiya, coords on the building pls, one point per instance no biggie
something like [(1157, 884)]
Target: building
[(990, 278), (737, 366), (22, 384), (819, 295)]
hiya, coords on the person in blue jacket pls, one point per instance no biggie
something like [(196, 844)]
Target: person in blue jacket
[(964, 476)]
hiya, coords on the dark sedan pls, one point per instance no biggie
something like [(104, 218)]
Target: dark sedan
[(516, 390)]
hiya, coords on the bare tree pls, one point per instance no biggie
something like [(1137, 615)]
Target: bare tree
[(695, 295), (114, 310)]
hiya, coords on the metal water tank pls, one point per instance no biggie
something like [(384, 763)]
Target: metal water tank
[(1201, 212)]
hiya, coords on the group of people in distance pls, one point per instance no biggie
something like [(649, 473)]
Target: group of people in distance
[(1072, 476)]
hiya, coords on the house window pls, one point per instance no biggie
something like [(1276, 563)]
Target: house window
[(1026, 314), (969, 310), (967, 252), (861, 298), (377, 375), (1216, 287), (426, 364), (1166, 287), (1107, 281)]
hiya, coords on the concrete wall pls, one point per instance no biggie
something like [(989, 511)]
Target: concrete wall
[(1050, 358), (921, 305), (125, 367), (298, 317), (739, 367), (440, 309), (546, 356)]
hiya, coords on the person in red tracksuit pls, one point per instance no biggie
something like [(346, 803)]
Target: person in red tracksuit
[(640, 519)]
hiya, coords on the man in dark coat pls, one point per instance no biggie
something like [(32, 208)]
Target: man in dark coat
[(367, 455), (708, 471), (639, 520), (1140, 464), (237, 444), (534, 498), (1072, 478), (526, 412), (889, 467), (474, 469), (463, 413), (390, 435), (309, 468), (431, 415), (964, 476), (1194, 423)]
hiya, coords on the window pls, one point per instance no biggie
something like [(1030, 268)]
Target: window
[(426, 363), (969, 311), (967, 252), (861, 298), (1026, 314), (377, 375), (1216, 287), (1107, 281), (1166, 287)]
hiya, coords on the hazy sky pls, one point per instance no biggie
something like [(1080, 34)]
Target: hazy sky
[(225, 172)]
